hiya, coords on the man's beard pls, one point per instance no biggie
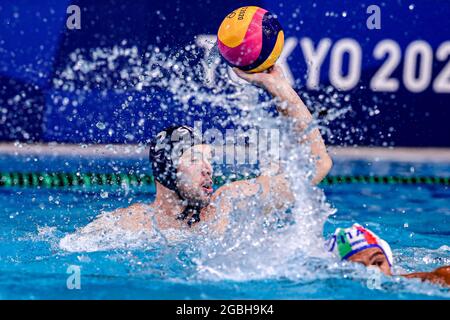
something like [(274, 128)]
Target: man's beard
[(196, 201)]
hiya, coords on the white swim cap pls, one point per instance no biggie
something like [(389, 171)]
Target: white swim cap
[(347, 242)]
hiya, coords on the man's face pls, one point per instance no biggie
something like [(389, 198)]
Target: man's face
[(372, 257), (194, 175)]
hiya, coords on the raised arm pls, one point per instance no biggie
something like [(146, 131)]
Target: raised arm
[(291, 106), (275, 188)]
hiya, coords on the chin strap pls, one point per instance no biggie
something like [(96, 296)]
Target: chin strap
[(193, 211)]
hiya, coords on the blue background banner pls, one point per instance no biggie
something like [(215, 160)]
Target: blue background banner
[(397, 77)]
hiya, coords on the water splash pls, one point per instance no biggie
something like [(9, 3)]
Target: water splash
[(256, 245)]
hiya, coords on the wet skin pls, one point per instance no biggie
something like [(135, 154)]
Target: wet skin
[(376, 258), (372, 257), (194, 173)]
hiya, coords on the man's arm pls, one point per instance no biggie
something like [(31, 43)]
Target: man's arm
[(276, 188), (132, 218), (439, 276), (291, 106)]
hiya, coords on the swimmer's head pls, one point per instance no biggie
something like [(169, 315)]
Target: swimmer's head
[(358, 244), (181, 163)]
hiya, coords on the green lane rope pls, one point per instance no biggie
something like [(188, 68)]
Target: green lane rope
[(87, 180)]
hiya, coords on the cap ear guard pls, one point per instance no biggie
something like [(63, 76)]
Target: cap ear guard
[(166, 149), (386, 248)]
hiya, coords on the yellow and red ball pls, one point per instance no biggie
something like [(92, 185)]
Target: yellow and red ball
[(251, 39)]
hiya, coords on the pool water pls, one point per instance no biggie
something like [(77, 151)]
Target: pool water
[(414, 219)]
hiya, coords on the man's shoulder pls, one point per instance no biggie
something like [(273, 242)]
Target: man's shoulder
[(137, 207), (133, 216), (134, 209)]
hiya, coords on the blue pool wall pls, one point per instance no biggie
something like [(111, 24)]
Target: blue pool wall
[(35, 44)]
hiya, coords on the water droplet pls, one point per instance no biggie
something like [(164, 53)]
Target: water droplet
[(100, 125), (104, 194)]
